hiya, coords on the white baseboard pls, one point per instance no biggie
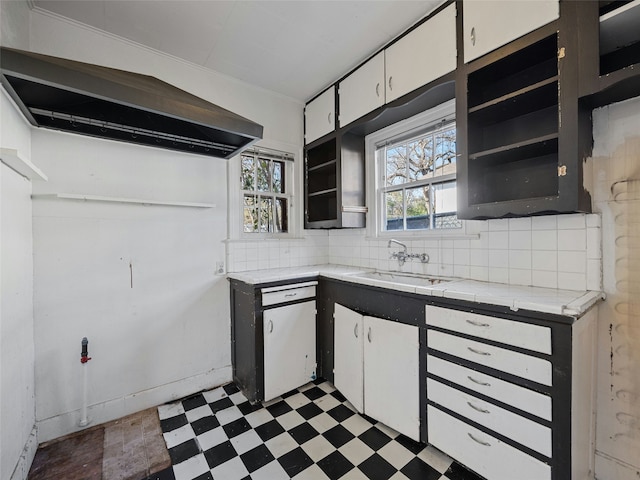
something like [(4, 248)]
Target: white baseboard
[(63, 424), (610, 468), (26, 458)]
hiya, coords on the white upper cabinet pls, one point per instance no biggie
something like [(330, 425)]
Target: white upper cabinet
[(320, 116), (362, 91), (489, 24), (423, 55)]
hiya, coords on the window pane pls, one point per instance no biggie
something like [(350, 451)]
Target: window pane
[(250, 214), (421, 158), (278, 177), (264, 177), (418, 208), (266, 214), (396, 165), (394, 211), (281, 216), (445, 161), (247, 173), (445, 203)]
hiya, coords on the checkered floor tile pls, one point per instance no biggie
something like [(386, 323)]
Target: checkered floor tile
[(311, 433)]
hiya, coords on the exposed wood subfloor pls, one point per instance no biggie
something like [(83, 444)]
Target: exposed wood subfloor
[(130, 448)]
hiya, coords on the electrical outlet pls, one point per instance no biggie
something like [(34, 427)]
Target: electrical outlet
[(219, 268)]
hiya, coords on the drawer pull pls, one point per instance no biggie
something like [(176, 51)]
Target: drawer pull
[(290, 294), (478, 352), (355, 330), (478, 409), (477, 324), (484, 384), (486, 444)]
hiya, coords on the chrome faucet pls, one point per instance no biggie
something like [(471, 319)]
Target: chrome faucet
[(403, 255)]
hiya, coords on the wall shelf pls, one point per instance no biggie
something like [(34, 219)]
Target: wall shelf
[(24, 167), (139, 201)]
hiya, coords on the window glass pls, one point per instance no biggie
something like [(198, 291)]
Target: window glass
[(265, 194), (418, 191)]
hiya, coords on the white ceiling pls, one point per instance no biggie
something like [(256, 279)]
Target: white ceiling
[(294, 47)]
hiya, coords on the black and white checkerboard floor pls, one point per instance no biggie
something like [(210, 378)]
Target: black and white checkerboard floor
[(311, 433)]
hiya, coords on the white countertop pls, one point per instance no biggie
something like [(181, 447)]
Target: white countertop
[(560, 302)]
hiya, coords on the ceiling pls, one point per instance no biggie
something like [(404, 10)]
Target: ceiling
[(294, 47)]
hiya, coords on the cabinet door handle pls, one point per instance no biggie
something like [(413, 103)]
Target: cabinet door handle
[(477, 324), (473, 36), (486, 444), (270, 326), (355, 330), (378, 89), (484, 384), (369, 335), (329, 118), (390, 85), (478, 409), (477, 352)]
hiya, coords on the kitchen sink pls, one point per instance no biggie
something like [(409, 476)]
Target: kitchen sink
[(413, 279)]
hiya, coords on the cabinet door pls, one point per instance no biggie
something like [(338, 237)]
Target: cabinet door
[(362, 91), (320, 116), (391, 380), (348, 355), (289, 347), (489, 24), (426, 53)]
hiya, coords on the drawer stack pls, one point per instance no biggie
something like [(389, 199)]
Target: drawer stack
[(489, 393)]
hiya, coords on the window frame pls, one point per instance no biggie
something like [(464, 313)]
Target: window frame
[(408, 128), (236, 194)]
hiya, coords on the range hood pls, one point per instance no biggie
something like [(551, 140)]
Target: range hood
[(108, 103)]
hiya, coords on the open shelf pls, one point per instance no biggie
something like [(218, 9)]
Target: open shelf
[(532, 147), (331, 164), (322, 208), (619, 35), (327, 192)]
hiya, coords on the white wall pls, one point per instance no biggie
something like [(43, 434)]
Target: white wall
[(17, 399), (169, 334), (616, 173)]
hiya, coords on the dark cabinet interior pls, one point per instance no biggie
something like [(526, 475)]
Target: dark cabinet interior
[(335, 182)]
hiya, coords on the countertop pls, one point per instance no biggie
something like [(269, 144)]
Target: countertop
[(561, 302)]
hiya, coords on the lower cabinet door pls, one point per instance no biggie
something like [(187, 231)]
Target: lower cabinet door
[(347, 363), (481, 452), (289, 347), (391, 374)]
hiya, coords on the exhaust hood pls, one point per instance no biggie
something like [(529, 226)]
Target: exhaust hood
[(104, 102)]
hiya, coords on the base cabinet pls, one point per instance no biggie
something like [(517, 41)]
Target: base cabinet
[(512, 398), (376, 368)]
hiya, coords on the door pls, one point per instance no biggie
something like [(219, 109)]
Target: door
[(289, 347), (319, 115), (362, 91), (348, 345), (423, 55), (391, 379), (489, 24)]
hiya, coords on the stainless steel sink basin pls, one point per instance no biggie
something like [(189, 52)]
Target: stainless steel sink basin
[(414, 279)]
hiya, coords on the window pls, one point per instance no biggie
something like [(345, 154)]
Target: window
[(265, 187), (416, 173)]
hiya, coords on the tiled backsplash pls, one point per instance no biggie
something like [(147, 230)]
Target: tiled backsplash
[(562, 251)]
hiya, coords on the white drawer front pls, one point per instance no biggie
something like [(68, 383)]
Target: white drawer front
[(288, 293), (509, 424), (480, 452), (525, 366), (518, 334), (526, 400)]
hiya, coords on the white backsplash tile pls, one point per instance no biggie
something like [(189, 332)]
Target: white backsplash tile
[(561, 251)]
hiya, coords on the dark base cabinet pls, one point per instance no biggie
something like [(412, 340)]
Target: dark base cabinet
[(509, 394), (251, 307)]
